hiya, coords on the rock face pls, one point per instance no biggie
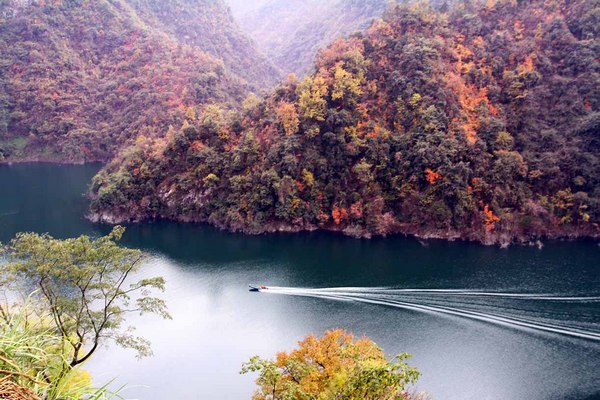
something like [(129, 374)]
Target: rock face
[(479, 123), (80, 79)]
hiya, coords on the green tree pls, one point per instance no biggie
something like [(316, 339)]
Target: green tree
[(86, 287)]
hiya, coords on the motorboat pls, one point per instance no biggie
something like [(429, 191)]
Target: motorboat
[(257, 288)]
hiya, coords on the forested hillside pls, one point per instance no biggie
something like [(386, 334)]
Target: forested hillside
[(291, 32), (79, 79), (209, 25), (480, 123)]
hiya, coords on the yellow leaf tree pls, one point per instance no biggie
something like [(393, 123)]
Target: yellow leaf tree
[(312, 102), (286, 112), (334, 366)]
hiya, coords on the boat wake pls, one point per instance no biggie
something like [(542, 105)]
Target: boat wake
[(568, 315)]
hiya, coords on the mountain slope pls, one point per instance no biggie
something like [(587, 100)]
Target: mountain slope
[(79, 79), (291, 32), (479, 124), (209, 25)]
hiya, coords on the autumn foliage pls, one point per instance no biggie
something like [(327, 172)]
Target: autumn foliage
[(339, 215), (80, 79), (334, 366), (490, 218), (460, 123), (431, 176)]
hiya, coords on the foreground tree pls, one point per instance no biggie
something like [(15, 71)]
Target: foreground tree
[(85, 287), (334, 366)]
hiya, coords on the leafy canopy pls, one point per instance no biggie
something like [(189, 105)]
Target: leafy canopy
[(334, 366), (86, 287)]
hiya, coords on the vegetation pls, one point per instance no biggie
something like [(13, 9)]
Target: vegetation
[(208, 25), (75, 91), (292, 32), (31, 360), (479, 123), (84, 288), (334, 366)]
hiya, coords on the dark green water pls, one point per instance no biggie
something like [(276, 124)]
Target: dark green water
[(532, 352)]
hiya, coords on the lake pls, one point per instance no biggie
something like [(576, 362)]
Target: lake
[(482, 322)]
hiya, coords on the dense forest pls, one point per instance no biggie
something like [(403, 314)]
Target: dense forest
[(480, 122), (72, 90)]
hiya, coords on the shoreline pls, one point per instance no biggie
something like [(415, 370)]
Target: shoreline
[(42, 160), (502, 239)]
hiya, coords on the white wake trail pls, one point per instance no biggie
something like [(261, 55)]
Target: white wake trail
[(450, 292), (370, 296)]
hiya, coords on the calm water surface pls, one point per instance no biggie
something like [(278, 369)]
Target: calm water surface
[(471, 344)]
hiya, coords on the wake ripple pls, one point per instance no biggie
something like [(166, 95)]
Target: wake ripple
[(444, 301)]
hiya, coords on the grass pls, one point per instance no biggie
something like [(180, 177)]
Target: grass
[(33, 356)]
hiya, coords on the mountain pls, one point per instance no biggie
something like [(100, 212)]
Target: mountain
[(481, 124), (209, 25), (290, 32), (78, 79)]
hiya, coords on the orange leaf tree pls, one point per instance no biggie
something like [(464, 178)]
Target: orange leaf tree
[(334, 366)]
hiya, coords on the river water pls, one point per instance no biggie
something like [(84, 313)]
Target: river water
[(481, 322)]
